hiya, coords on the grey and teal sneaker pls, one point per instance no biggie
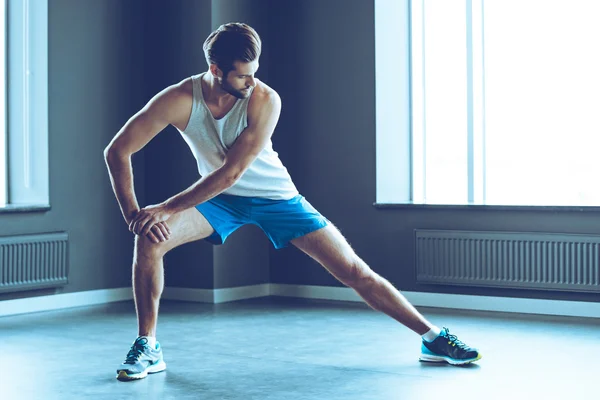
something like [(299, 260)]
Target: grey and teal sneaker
[(141, 361), (447, 348)]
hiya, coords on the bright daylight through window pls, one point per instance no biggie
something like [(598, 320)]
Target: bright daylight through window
[(505, 102), (2, 103)]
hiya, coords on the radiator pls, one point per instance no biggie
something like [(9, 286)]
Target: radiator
[(542, 261), (33, 261)]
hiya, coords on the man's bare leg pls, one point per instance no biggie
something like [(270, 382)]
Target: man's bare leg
[(148, 270), (330, 249)]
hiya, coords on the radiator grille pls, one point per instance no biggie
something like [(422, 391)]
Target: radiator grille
[(508, 259), (33, 261)]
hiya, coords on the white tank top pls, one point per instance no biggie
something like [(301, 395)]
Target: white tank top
[(210, 139)]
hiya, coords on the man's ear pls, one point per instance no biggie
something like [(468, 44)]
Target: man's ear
[(215, 71)]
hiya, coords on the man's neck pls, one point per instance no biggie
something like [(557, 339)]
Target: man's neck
[(215, 93)]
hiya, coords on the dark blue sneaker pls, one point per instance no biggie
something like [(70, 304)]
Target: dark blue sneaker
[(141, 361), (447, 348)]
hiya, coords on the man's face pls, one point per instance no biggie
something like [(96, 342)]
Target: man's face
[(240, 80)]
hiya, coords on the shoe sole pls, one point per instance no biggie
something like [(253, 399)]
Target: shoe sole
[(452, 361), (153, 369)]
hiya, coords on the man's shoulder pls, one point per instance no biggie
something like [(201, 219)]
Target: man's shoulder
[(182, 91), (176, 102), (185, 88), (263, 94)]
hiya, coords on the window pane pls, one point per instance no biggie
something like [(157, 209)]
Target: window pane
[(440, 55), (542, 102), (2, 103)]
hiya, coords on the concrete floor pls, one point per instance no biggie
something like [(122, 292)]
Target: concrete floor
[(287, 349)]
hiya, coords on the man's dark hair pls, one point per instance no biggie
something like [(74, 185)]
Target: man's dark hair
[(229, 43)]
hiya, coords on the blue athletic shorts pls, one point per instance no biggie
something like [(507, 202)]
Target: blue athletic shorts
[(281, 220)]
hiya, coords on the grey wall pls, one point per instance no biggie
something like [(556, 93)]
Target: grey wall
[(174, 32), (327, 137), (324, 71), (244, 258), (109, 57), (95, 84)]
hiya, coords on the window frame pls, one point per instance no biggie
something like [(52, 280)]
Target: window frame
[(395, 187), (26, 137)]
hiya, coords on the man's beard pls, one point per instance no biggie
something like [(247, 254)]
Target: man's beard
[(234, 92)]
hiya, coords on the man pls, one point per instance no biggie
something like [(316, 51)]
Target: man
[(227, 117)]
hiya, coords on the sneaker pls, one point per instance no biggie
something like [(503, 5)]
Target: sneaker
[(447, 348), (141, 361)]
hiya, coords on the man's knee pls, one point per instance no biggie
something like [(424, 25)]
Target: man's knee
[(145, 248), (359, 274)]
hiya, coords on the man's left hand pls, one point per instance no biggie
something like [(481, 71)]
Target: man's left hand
[(147, 217)]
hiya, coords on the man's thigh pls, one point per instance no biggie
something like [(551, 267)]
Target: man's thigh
[(186, 226), (329, 247)]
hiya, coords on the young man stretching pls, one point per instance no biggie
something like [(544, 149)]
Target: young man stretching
[(227, 117)]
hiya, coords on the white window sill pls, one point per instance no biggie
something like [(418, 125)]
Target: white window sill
[(484, 207), (21, 208)]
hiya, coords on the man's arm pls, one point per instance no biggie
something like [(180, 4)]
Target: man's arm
[(262, 119), (263, 113), (170, 106)]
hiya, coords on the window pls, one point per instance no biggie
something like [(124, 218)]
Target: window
[(503, 102), (24, 138), (2, 103)]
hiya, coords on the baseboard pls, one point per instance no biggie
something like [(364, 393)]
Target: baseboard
[(452, 301), (418, 299), (105, 296), (216, 296), (315, 292), (64, 300), (242, 292), (506, 304), (188, 294)]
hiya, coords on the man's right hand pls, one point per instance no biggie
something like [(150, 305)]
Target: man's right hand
[(160, 232)]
